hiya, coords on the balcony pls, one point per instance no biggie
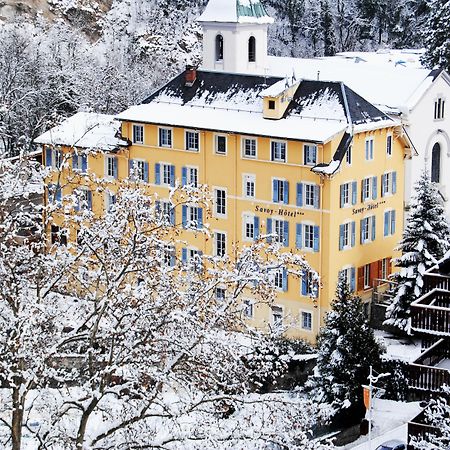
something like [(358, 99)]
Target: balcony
[(431, 370), (430, 314), (436, 281)]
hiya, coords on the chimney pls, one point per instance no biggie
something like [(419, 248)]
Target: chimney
[(190, 76)]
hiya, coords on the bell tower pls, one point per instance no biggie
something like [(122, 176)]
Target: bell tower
[(235, 36)]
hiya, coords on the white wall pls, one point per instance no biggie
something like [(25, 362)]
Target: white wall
[(235, 38), (424, 132)]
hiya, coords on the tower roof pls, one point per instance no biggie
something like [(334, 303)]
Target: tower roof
[(235, 11)]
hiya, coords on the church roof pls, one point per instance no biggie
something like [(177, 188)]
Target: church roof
[(235, 11)]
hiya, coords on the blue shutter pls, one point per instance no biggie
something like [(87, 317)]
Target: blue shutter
[(183, 254), (367, 150), (256, 227), (286, 233), (172, 176), (130, 169), (158, 173), (317, 197), (172, 215), (183, 176), (305, 283), (285, 279), (354, 192), (158, 206), (84, 161), (184, 215), (316, 239), (286, 191), (75, 162), (58, 193), (298, 235), (48, 157), (269, 229), (353, 233), (342, 196), (352, 279), (394, 182), (146, 176), (386, 223), (341, 237), (374, 188), (299, 194), (115, 167), (199, 218), (275, 191), (172, 259), (362, 231), (393, 219), (89, 200), (383, 177), (373, 228)]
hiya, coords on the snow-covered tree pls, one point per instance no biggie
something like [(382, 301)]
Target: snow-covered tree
[(437, 35), (425, 240), (346, 349)]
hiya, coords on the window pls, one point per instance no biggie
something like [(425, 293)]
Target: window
[(306, 320), (138, 170), (165, 174), (192, 217), (277, 317), (439, 109), (221, 145), (165, 170), (388, 183), (347, 233), (367, 276), (349, 276), (309, 194), (111, 167), (278, 151), (310, 154), (278, 226), (53, 158), (272, 104), (220, 244), (169, 256), (280, 192), (192, 141), (248, 308), (348, 194), (192, 256), (369, 189), (58, 235), (366, 189), (249, 147), (167, 211), (309, 237), (280, 229), (436, 163), (220, 200), (220, 294), (110, 201), (54, 193), (389, 223), (189, 176), (309, 285), (252, 49), (348, 156), (79, 163), (250, 227), (278, 278), (165, 137), (389, 145), (138, 134), (384, 268), (368, 229), (219, 47), (369, 149), (249, 185), (84, 199)]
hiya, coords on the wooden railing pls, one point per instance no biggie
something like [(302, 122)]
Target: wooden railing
[(435, 281), (418, 429), (431, 312)]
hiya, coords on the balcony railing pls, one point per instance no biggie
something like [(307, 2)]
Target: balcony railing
[(419, 429), (423, 373), (435, 281), (431, 313)]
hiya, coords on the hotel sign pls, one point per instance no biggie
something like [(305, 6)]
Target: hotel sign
[(278, 211), (368, 207)]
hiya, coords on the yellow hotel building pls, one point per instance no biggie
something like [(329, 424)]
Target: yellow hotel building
[(309, 162)]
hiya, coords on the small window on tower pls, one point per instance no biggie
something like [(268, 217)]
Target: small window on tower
[(271, 104), (219, 47), (252, 49)]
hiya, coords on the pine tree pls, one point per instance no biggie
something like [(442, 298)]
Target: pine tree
[(346, 349), (329, 47), (425, 241), (437, 35)]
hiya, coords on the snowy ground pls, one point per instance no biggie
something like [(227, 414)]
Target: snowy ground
[(404, 349), (389, 422)]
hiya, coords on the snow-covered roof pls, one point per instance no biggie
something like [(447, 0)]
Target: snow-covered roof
[(235, 11), (409, 58), (85, 130), (388, 86)]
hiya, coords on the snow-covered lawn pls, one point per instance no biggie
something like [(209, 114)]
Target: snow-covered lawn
[(406, 350)]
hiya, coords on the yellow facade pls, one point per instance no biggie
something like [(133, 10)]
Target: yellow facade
[(229, 171)]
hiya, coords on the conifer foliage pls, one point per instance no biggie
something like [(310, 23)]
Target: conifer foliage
[(425, 241), (346, 349), (437, 35)]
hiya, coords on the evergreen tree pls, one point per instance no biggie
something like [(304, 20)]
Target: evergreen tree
[(329, 48), (425, 241), (437, 35), (346, 349)]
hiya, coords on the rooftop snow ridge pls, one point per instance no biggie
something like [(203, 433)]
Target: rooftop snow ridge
[(235, 11)]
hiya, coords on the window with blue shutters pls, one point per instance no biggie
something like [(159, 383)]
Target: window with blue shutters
[(347, 237), (349, 276), (111, 167), (167, 211), (110, 201), (388, 183), (48, 157), (165, 174), (389, 223), (311, 195), (138, 170), (308, 233), (300, 190), (308, 285), (280, 279), (280, 230), (54, 193), (280, 191), (192, 217), (79, 163), (368, 229), (299, 235), (84, 200), (348, 194)]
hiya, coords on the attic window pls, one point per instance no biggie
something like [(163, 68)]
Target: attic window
[(439, 106), (271, 104), (219, 47), (252, 49)]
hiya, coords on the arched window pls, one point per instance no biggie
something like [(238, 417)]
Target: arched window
[(436, 163), (252, 49), (219, 47)]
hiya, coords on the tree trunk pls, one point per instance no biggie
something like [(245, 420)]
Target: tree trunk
[(83, 424), (17, 418)]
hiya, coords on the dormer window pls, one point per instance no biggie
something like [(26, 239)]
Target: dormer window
[(439, 108), (271, 104), (219, 47), (252, 49)]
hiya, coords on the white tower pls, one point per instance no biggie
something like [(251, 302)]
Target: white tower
[(235, 36)]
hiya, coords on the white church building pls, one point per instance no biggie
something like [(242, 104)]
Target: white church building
[(235, 40)]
